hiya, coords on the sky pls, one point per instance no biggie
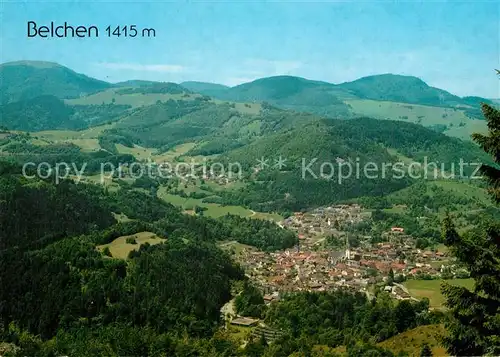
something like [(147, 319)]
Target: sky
[(449, 45)]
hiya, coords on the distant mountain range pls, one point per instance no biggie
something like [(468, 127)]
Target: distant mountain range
[(28, 79), (329, 99), (385, 96), (282, 116), (387, 87)]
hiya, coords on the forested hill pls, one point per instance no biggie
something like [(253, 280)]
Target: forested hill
[(334, 144), (211, 89), (342, 138), (68, 209), (55, 282), (29, 79), (386, 96), (397, 88), (326, 98), (47, 112)]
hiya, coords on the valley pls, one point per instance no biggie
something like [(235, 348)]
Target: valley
[(193, 224)]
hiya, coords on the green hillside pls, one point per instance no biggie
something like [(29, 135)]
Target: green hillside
[(291, 93), (211, 89), (134, 83), (382, 97), (216, 127), (455, 122), (324, 138), (437, 194), (134, 97), (29, 79), (220, 128), (157, 116), (385, 96), (411, 341), (328, 142), (397, 88), (39, 113), (274, 88), (48, 112), (155, 88)]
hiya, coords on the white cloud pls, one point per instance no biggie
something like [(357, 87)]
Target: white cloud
[(165, 68)]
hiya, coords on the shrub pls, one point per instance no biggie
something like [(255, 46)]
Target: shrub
[(107, 252)]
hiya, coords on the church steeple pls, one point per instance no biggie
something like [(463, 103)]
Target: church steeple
[(347, 248)]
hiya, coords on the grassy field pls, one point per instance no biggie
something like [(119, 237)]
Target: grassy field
[(174, 153), (87, 145), (457, 123), (431, 289), (248, 108), (134, 100), (143, 153), (104, 180), (465, 189), (214, 210), (211, 187), (190, 187), (243, 108), (402, 158), (235, 246), (119, 248), (138, 152), (121, 217), (63, 135), (398, 210), (412, 341)]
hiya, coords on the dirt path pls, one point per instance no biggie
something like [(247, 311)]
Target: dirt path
[(228, 308)]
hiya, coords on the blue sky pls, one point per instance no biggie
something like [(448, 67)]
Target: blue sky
[(451, 45)]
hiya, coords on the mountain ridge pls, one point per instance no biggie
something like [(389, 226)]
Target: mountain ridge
[(389, 94), (133, 82), (24, 80)]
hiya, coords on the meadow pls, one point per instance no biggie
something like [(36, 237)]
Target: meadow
[(135, 100), (119, 248), (457, 123), (144, 153), (213, 210), (411, 341), (431, 289)]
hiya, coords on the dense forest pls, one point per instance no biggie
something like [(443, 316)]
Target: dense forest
[(316, 147), (165, 297), (170, 289), (343, 318), (49, 112)]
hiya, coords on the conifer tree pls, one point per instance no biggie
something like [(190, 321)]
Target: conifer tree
[(390, 279), (491, 144), (474, 327)]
